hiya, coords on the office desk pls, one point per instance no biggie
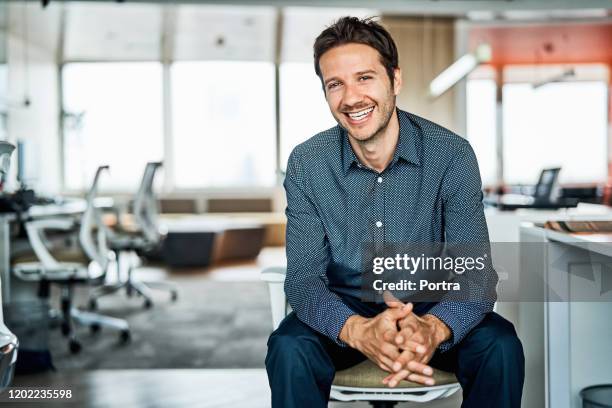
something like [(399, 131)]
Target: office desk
[(70, 207), (568, 337)]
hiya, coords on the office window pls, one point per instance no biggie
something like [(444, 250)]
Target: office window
[(112, 115), (481, 126), (304, 111), (556, 124), (223, 124)]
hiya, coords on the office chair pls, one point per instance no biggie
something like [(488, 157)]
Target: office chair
[(146, 238), (91, 271), (9, 343), (362, 382)]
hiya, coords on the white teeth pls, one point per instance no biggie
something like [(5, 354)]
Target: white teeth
[(360, 114)]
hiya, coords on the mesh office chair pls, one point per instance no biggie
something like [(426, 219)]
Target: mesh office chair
[(362, 382), (90, 271), (145, 239)]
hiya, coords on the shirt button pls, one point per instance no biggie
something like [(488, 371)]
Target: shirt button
[(379, 179), (378, 224)]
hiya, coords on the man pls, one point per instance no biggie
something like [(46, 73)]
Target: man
[(381, 176)]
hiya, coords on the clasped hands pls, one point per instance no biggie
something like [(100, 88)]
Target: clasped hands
[(398, 341)]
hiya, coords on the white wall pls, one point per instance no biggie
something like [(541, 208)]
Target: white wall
[(37, 79)]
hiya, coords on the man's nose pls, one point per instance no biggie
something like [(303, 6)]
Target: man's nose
[(352, 96)]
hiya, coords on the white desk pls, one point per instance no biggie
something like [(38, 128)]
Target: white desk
[(568, 343), (504, 226)]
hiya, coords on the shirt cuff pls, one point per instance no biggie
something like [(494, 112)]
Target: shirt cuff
[(338, 321), (452, 321)]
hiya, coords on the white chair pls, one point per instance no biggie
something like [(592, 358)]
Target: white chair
[(90, 268), (8, 341), (362, 382), (145, 239)]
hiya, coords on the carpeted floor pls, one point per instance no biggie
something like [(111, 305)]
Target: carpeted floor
[(222, 319)]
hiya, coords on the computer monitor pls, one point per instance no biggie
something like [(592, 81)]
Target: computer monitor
[(547, 183)]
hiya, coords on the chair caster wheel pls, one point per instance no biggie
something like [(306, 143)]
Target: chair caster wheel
[(148, 304), (174, 296), (93, 305), (94, 328), (124, 336), (74, 346)]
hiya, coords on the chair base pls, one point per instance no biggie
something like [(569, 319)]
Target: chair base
[(141, 288), (380, 395)]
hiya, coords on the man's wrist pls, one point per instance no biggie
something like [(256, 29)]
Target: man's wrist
[(441, 331), (348, 334)]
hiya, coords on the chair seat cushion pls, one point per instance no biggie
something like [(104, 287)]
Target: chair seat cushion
[(35, 271), (369, 375), (62, 255)]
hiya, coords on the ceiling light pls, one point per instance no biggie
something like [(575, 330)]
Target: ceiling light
[(459, 70)]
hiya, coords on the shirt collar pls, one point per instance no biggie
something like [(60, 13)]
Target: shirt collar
[(406, 145)]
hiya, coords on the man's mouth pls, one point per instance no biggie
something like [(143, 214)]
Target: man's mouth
[(360, 115)]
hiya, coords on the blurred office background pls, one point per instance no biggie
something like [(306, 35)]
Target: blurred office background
[(220, 92)]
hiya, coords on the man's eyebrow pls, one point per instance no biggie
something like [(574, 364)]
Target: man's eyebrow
[(369, 71)]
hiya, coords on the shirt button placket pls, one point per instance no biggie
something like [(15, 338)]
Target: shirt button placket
[(379, 212)]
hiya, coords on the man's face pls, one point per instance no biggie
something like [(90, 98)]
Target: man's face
[(358, 89)]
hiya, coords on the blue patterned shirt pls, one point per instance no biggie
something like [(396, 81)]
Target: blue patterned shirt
[(430, 192)]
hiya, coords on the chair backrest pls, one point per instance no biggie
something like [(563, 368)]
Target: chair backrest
[(6, 149), (92, 226), (146, 210)]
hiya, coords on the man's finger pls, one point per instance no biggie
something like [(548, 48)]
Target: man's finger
[(390, 351), (421, 368), (401, 362), (391, 300), (411, 320), (396, 313), (396, 378), (385, 363), (421, 379), (410, 345)]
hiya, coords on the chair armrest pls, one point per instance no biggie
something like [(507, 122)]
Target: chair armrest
[(35, 230), (275, 277)]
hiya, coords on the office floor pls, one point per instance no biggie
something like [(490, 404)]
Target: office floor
[(239, 388), (206, 350)]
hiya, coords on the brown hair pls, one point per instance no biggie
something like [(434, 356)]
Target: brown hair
[(365, 31)]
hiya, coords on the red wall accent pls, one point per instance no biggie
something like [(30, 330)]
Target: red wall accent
[(546, 44)]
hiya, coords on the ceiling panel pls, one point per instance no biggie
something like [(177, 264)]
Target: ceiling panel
[(113, 32), (224, 33)]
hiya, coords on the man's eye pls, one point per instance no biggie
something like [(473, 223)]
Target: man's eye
[(364, 77), (332, 85)]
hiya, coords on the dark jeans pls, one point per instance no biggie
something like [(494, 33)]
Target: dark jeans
[(489, 364)]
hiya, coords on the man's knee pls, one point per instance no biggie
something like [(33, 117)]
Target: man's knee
[(293, 349), (498, 340)]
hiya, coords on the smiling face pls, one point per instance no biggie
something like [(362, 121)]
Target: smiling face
[(358, 90)]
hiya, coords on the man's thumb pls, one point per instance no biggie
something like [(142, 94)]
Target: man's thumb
[(391, 300)]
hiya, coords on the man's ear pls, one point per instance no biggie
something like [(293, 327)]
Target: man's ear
[(397, 81)]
